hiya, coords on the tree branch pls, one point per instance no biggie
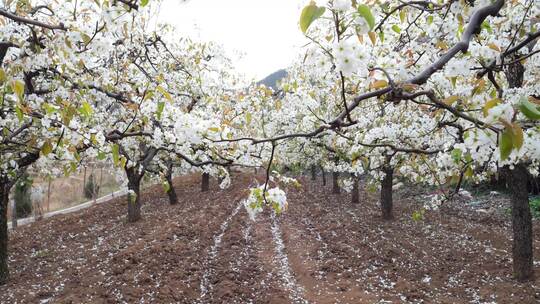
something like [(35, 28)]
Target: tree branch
[(28, 21)]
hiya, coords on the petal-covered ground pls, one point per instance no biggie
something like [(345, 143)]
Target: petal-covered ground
[(207, 250)]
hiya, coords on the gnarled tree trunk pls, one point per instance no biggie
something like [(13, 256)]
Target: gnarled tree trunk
[(313, 172), (498, 181), (5, 186), (205, 182), (323, 173), (134, 197), (517, 179), (386, 193), (534, 185), (522, 250), (335, 184), (173, 198), (4, 200)]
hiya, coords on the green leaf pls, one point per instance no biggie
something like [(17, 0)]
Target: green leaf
[(101, 155), (47, 148), (86, 39), (144, 3), (149, 95), (517, 136), (166, 186), (123, 162), (309, 14), (490, 104), (159, 111), (418, 215), (468, 157), (365, 11), (506, 145), (116, 157), (18, 88), (381, 36), (469, 172), (276, 208), (456, 155), (450, 100), (3, 76), (402, 15), (396, 28), (86, 109), (73, 166), (454, 81), (485, 26), (48, 108), (529, 109), (165, 94), (19, 113)]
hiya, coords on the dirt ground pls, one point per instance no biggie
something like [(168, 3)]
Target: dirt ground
[(207, 250)]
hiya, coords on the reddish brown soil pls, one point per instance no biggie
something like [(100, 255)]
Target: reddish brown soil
[(331, 252)]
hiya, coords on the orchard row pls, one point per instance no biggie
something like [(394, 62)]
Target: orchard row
[(435, 92)]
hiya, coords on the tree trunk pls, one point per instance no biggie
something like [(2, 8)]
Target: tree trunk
[(517, 179), (386, 193), (173, 198), (4, 200), (134, 197), (498, 181), (5, 187), (323, 177), (522, 250), (355, 196), (205, 183), (335, 185), (313, 173), (534, 186)]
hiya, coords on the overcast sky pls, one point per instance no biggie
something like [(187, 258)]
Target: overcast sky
[(265, 31)]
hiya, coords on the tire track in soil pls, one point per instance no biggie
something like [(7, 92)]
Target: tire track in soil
[(208, 281), (158, 258), (163, 265), (176, 274), (368, 250), (244, 269), (313, 255), (263, 267), (286, 273), (355, 267)]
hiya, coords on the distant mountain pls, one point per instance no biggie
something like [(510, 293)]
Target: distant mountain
[(272, 80)]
